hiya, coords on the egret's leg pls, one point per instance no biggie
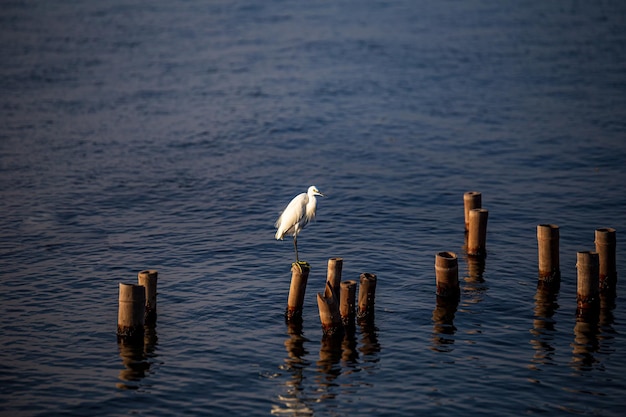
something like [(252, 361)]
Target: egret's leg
[(295, 245)]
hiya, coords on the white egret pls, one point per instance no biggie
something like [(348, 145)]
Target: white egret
[(299, 212)]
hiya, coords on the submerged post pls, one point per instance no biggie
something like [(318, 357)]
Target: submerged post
[(131, 311), (605, 246), (367, 294), (299, 276), (148, 278), (471, 200), (347, 297), (587, 264), (447, 274), (548, 250), (477, 232), (328, 306), (333, 275)]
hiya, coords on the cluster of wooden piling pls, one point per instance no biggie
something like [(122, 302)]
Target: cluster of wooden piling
[(596, 270), (338, 305), (137, 306)]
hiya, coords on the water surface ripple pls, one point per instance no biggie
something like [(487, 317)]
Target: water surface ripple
[(169, 135)]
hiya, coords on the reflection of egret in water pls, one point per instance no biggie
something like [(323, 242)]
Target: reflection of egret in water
[(543, 322), (294, 401), (136, 356), (443, 323)]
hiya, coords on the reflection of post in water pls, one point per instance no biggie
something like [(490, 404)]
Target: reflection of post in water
[(543, 322), (443, 323), (349, 352), (585, 341), (474, 281), (328, 364), (370, 347), (136, 355), (293, 400)]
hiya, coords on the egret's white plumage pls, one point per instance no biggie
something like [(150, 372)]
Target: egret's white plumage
[(298, 213)]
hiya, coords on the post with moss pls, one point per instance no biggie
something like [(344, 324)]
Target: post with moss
[(548, 252), (587, 264), (471, 200), (477, 233), (148, 278), (447, 275), (131, 311), (606, 248), (367, 294), (333, 275), (299, 277), (328, 306)]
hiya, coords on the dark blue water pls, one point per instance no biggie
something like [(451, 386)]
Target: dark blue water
[(169, 135)]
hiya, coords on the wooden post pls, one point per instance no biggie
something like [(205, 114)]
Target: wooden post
[(587, 264), (548, 249), (471, 200), (367, 294), (447, 274), (329, 311), (605, 246), (347, 297), (148, 279), (334, 274), (299, 276), (131, 312), (477, 232)]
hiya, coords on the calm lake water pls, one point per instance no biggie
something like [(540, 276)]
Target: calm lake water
[(169, 135)]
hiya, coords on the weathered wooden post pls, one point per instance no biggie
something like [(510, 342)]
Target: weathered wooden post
[(328, 306), (148, 278), (471, 200), (299, 276), (548, 250), (587, 264), (367, 295), (606, 248), (131, 311), (347, 298), (477, 232), (447, 274), (334, 274)]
